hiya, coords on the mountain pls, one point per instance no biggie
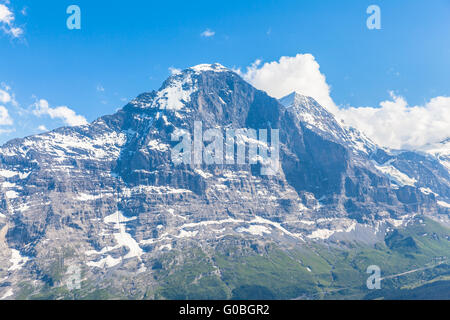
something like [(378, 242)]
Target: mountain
[(440, 150), (104, 205)]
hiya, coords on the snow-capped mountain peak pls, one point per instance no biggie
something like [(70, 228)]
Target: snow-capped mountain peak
[(176, 91), (295, 98), (215, 67)]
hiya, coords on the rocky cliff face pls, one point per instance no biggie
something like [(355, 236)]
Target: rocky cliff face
[(108, 198)]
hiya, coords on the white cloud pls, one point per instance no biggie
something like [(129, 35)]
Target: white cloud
[(300, 73), (42, 128), (7, 130), (5, 119), (207, 33), (100, 88), (67, 115), (5, 97), (394, 124), (397, 125), (7, 20), (6, 16)]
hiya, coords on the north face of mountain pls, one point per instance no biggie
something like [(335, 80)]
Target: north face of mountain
[(366, 177), (108, 199)]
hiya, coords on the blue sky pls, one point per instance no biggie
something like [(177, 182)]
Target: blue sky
[(126, 48)]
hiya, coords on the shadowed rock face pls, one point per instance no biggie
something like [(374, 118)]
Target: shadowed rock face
[(110, 190)]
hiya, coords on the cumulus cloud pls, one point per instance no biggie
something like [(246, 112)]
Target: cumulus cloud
[(42, 128), (397, 125), (67, 115), (393, 124), (7, 22), (5, 119), (207, 33), (300, 73)]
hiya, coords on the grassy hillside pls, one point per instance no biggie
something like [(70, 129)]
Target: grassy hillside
[(322, 271), (413, 262)]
